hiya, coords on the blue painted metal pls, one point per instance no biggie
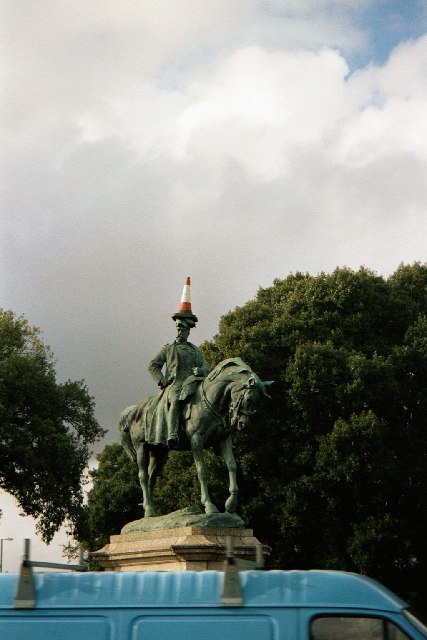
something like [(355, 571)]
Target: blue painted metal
[(194, 589), (160, 606)]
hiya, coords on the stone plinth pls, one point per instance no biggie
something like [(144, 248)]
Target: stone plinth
[(191, 548)]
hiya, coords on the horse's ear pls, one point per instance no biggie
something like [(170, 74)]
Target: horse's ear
[(265, 384)]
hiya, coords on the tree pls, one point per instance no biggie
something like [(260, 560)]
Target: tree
[(115, 497), (333, 471), (45, 430), (341, 480)]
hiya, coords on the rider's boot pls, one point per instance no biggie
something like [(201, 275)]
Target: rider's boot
[(173, 440)]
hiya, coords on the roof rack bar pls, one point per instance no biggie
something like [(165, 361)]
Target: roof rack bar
[(56, 565), (25, 597), (232, 595)]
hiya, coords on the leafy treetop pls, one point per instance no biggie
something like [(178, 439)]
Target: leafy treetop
[(46, 429)]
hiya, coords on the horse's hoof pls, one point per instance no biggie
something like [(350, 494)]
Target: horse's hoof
[(230, 506), (210, 508)]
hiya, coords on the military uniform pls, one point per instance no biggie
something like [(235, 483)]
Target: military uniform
[(179, 360)]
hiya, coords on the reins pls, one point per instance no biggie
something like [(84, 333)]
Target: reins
[(233, 408), (209, 405)]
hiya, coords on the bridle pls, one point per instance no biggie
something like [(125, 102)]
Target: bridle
[(235, 408)]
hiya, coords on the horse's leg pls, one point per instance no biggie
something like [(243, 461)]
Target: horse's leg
[(142, 457), (227, 454), (199, 460), (158, 458)]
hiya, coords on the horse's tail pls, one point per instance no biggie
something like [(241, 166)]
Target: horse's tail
[(126, 439)]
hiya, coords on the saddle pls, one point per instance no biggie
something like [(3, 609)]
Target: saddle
[(189, 387)]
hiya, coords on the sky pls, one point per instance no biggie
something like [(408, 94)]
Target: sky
[(233, 141)]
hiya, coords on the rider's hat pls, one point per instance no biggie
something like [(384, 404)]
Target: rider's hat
[(184, 312)]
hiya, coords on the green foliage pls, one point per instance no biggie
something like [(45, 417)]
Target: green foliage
[(114, 499), (334, 473), (333, 470), (45, 430)]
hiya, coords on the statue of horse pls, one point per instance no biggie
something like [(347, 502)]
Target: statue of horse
[(223, 402)]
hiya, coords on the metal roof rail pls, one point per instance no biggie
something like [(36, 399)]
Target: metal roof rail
[(232, 595), (25, 597)]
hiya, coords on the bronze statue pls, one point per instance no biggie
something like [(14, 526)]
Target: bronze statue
[(181, 360), (195, 409)]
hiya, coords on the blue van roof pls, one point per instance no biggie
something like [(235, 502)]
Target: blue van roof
[(189, 589)]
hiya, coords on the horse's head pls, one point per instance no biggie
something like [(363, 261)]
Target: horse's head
[(244, 397)]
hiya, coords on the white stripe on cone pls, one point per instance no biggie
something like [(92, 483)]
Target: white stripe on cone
[(186, 296)]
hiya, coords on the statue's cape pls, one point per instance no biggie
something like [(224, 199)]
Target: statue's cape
[(151, 416)]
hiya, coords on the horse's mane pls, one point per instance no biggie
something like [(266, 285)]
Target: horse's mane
[(230, 362)]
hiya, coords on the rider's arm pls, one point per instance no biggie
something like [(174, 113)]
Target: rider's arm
[(156, 365), (203, 367)]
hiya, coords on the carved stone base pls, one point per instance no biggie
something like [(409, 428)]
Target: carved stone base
[(191, 548)]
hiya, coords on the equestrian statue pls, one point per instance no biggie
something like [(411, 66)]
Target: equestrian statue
[(195, 408)]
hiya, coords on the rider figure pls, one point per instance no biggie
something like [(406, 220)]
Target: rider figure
[(181, 359)]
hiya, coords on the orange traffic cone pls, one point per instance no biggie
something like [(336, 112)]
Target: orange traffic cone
[(184, 310)]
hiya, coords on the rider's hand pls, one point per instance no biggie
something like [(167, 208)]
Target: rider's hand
[(165, 382)]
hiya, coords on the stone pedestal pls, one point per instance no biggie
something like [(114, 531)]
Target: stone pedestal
[(189, 548)]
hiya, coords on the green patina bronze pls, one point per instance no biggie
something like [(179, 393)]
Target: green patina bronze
[(181, 361), (188, 517), (196, 408)]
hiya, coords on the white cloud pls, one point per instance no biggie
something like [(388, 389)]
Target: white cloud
[(84, 60), (392, 115), (260, 104)]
